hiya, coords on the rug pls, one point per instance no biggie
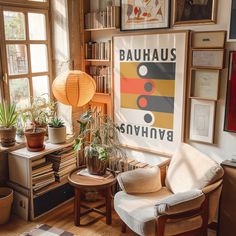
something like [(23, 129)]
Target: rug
[(46, 230)]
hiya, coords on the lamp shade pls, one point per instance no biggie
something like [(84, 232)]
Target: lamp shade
[(75, 88)]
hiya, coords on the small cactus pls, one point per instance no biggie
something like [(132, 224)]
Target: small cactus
[(56, 123)]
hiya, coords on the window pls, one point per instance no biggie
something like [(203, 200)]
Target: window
[(25, 52)]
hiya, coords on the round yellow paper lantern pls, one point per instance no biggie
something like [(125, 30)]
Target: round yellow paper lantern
[(75, 88)]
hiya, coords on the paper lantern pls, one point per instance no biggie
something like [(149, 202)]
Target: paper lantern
[(75, 88)]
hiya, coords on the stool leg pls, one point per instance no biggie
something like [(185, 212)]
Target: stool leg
[(77, 207), (108, 205)]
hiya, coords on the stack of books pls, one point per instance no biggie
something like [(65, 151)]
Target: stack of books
[(63, 162), (42, 174), (103, 19)]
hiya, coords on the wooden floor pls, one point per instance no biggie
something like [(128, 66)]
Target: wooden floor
[(63, 218)]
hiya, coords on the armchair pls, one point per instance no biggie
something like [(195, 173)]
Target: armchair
[(183, 205)]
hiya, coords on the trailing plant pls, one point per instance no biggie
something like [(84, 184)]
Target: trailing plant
[(8, 115), (56, 123), (98, 137)]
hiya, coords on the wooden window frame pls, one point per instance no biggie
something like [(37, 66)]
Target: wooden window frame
[(32, 7)]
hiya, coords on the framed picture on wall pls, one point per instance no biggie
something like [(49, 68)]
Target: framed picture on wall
[(208, 58), (204, 84), (232, 26), (144, 14), (202, 121), (149, 82), (230, 110), (194, 12)]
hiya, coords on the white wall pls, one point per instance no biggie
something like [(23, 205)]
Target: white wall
[(225, 146)]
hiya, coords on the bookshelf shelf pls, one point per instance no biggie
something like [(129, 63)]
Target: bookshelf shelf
[(97, 60), (100, 29)]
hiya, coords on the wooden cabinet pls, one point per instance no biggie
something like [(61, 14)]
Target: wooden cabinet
[(32, 197), (227, 213)]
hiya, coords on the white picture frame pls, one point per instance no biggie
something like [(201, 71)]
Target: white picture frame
[(211, 58), (232, 23), (149, 90), (205, 84), (202, 121)]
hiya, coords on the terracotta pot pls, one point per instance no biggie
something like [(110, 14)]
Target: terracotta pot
[(35, 139), (7, 136), (6, 199), (95, 166), (57, 135)]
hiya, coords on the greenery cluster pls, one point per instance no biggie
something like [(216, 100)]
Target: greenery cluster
[(8, 115), (98, 137), (56, 123), (40, 111)]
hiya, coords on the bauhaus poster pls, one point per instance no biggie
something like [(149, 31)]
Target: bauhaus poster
[(149, 90)]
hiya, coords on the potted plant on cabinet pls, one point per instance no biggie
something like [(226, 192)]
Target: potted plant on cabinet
[(56, 131), (98, 137), (8, 119), (36, 118)]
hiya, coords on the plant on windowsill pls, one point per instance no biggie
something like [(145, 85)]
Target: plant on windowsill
[(98, 137), (56, 130), (36, 117), (8, 119)]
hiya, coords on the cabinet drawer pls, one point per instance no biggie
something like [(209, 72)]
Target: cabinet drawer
[(214, 39), (51, 199)]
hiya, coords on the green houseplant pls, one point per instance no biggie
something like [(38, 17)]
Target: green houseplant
[(36, 117), (8, 120), (56, 130), (98, 137)]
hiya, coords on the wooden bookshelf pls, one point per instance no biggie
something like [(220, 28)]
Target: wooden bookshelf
[(88, 34)]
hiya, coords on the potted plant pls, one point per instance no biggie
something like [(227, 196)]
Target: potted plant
[(6, 200), (36, 118), (8, 119), (56, 131), (98, 137)]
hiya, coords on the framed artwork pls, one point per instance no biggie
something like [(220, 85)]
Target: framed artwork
[(194, 12), (230, 111), (149, 94), (144, 14), (232, 26), (211, 58), (205, 83), (202, 121)]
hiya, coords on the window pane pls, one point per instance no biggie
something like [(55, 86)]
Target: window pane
[(17, 59), (14, 24), (37, 26), (40, 86), (19, 92), (39, 58)]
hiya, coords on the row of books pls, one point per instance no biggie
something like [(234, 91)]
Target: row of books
[(102, 77), (63, 162), (103, 19), (98, 50)]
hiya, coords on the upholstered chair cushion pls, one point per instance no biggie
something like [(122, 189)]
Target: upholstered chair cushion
[(141, 180), (191, 169), (139, 213), (180, 202)]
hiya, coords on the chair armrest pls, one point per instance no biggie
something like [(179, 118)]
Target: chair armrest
[(180, 202), (208, 189), (143, 180)]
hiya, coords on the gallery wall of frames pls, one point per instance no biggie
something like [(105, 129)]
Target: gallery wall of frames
[(130, 59)]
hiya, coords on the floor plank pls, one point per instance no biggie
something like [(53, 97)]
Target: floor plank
[(63, 218)]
